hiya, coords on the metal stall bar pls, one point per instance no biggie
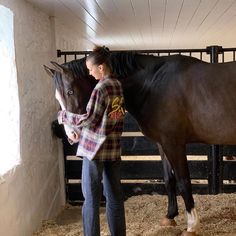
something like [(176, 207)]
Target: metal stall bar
[(215, 159), (161, 51)]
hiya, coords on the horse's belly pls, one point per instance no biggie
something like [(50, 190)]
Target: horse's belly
[(215, 131)]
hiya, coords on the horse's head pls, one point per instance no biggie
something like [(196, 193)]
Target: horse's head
[(73, 83)]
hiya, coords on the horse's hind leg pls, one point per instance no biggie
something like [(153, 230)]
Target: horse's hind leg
[(170, 184), (177, 158)]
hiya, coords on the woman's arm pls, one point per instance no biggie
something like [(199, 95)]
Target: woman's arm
[(95, 110)]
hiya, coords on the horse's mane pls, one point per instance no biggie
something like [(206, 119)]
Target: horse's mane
[(78, 67), (123, 64)]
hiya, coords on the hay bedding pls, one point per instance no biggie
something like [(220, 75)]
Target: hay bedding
[(143, 213)]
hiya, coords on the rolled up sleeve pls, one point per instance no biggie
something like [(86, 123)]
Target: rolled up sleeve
[(94, 112)]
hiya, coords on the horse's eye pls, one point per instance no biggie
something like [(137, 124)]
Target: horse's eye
[(70, 92)]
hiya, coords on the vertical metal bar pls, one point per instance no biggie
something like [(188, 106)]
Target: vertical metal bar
[(65, 58), (233, 55), (75, 56), (58, 53), (215, 159), (201, 55)]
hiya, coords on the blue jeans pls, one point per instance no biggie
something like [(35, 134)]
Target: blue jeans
[(93, 172)]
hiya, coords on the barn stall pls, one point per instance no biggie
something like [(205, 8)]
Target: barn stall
[(32, 163)]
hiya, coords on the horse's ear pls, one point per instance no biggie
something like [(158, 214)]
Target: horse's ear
[(49, 70), (59, 67)]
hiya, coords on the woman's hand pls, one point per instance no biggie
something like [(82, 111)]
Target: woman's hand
[(60, 100), (72, 134)]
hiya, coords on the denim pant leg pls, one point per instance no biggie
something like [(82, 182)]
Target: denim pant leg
[(114, 198), (91, 188)]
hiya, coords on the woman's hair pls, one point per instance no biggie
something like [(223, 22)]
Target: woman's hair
[(99, 55)]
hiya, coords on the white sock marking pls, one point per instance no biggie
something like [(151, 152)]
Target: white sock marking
[(193, 221)]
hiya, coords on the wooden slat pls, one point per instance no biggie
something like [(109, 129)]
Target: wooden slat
[(153, 169), (140, 169)]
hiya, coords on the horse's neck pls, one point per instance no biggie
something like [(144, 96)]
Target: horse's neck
[(136, 86), (138, 79), (87, 86)]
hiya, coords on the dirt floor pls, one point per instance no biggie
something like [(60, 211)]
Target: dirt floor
[(143, 213)]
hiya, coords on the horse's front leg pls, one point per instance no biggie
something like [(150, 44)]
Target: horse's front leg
[(170, 184), (176, 155)]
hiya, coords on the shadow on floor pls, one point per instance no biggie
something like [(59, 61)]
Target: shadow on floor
[(71, 215)]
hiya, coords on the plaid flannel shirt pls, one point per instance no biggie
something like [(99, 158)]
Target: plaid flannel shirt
[(102, 124)]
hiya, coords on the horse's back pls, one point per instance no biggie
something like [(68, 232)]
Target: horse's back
[(195, 99), (211, 102)]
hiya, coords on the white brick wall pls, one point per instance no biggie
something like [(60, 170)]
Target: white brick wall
[(32, 191)]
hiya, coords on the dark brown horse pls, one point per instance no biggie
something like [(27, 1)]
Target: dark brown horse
[(176, 100)]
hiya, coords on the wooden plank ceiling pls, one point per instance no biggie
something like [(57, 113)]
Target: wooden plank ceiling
[(147, 24)]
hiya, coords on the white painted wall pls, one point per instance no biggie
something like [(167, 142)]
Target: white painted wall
[(67, 39), (33, 190)]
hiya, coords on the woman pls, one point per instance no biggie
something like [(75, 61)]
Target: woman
[(99, 145)]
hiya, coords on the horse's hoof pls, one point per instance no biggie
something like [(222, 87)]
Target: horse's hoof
[(167, 222), (186, 233)]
